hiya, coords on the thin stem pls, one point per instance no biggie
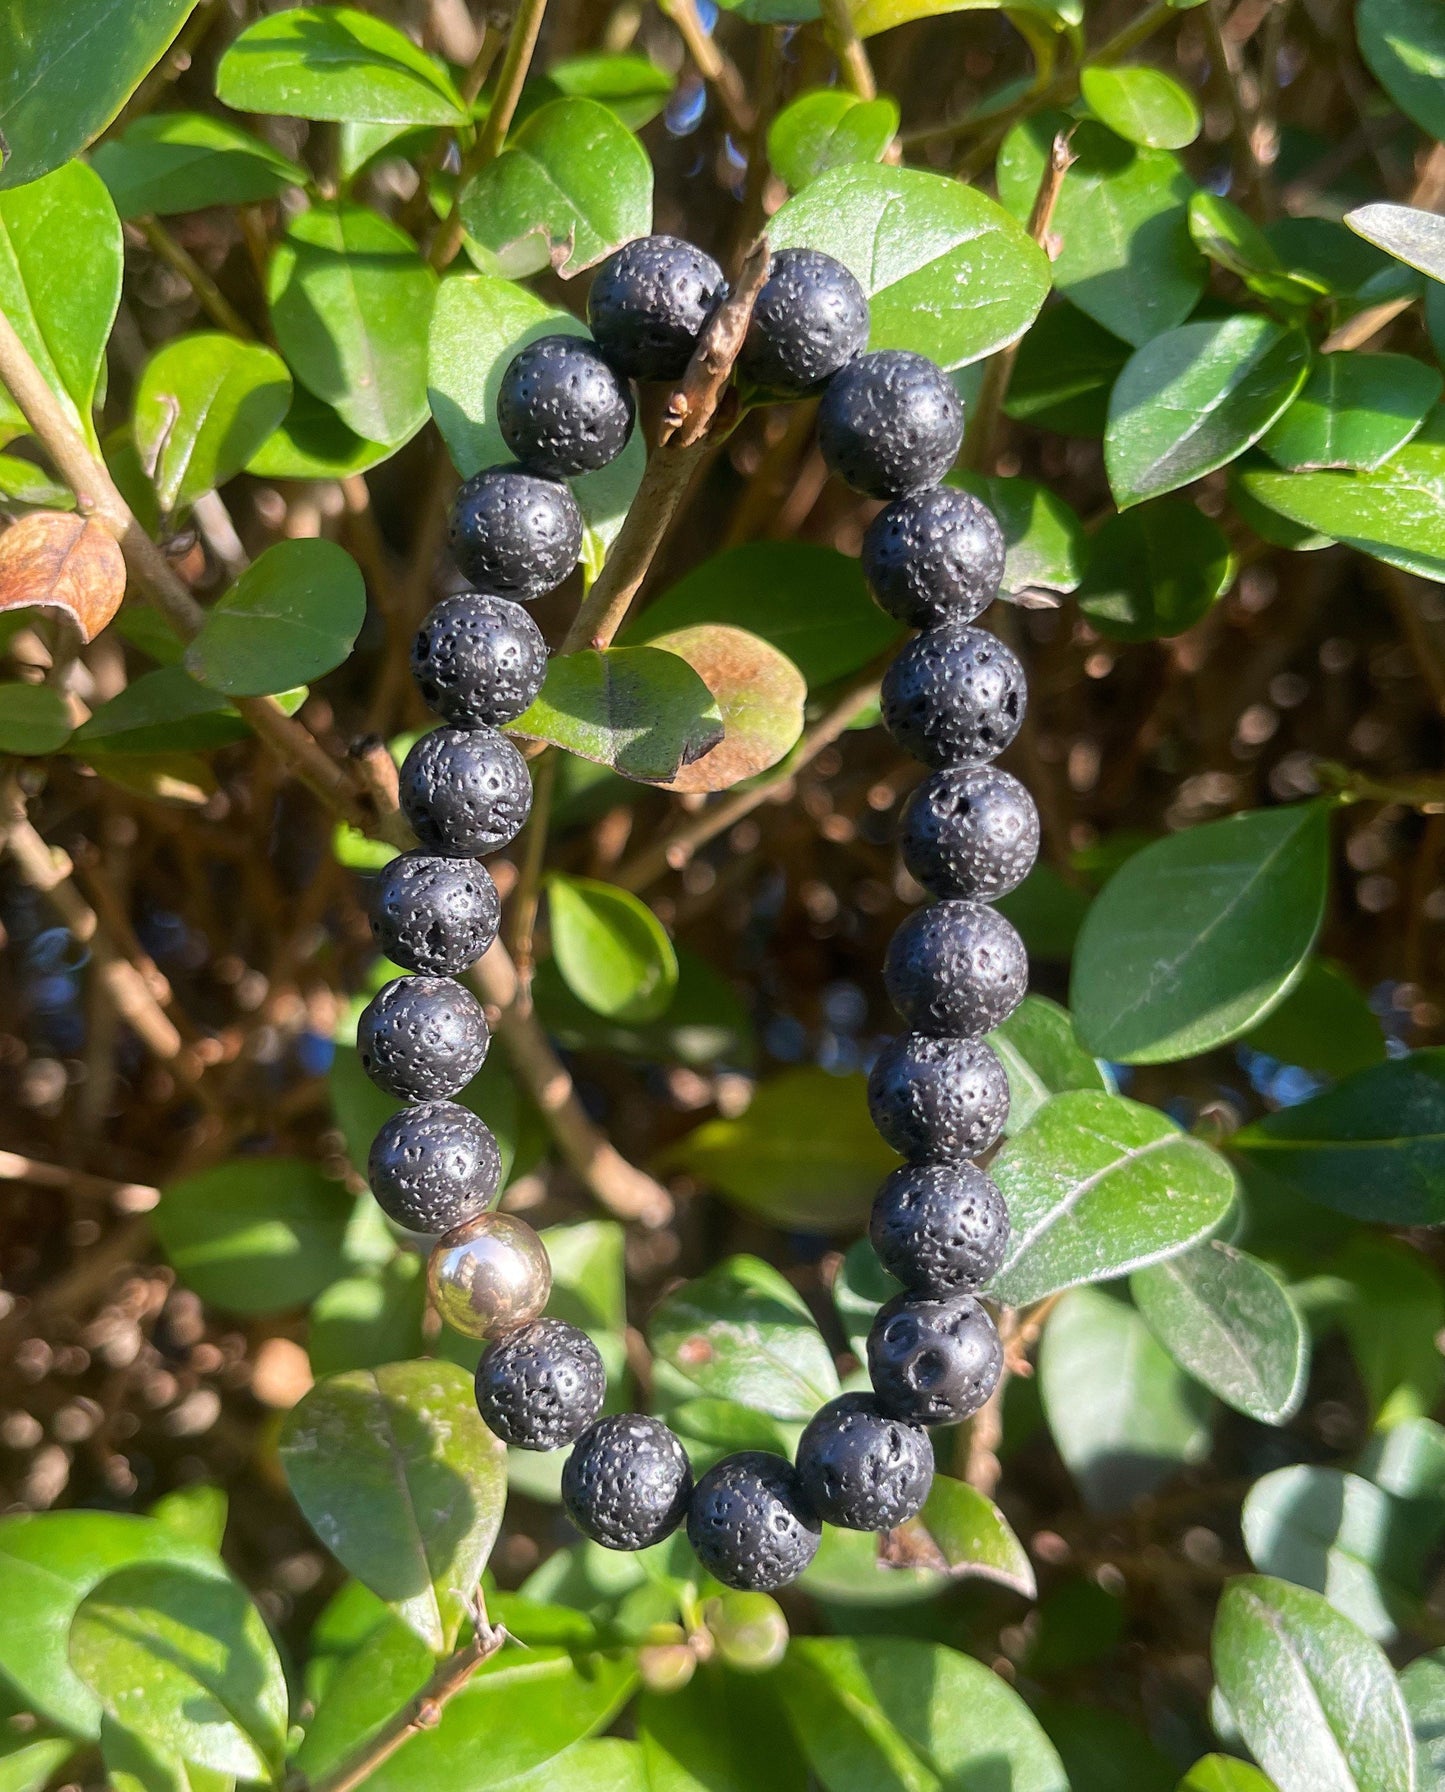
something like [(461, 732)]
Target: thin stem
[(1229, 78), (527, 897), (213, 301), (847, 46), (717, 69)]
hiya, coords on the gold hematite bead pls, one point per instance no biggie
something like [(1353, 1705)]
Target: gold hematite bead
[(489, 1276)]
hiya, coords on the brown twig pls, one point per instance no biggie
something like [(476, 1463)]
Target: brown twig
[(717, 69), (212, 300), (125, 1197), (847, 46), (1018, 1335)]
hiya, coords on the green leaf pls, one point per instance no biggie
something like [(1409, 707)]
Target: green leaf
[(742, 1333), (1125, 1417), (947, 272), (291, 616), (22, 482), (572, 185), (1226, 1318), (339, 63), (185, 1661), (826, 129), (1102, 1750), (181, 161), (28, 1763), (609, 946), (633, 87), (389, 1666), (1044, 540), (961, 1532), (255, 1235), (724, 1732), (1408, 1460), (1354, 410), (1194, 398), (403, 1483), (363, 1321), (1222, 1773), (1040, 1051), (1065, 368), (311, 442), (1423, 1687), (1231, 239), (34, 719), (1413, 236), (1223, 916), (860, 1288), (1404, 43), (760, 696), (1314, 1698), (1097, 1186), (641, 710), (1391, 1312), (1324, 1024), (1141, 105), (203, 406), (1154, 571), (164, 711), (197, 1512), (705, 1021)]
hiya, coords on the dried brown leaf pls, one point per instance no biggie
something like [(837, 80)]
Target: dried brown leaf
[(760, 693), (64, 562)]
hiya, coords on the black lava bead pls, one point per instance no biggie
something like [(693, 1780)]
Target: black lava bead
[(934, 556), (956, 969), (478, 660), (750, 1523), (540, 1386), (514, 533), (434, 1166), (889, 423), (422, 1038), (810, 319), (465, 791), (648, 305), (627, 1482), (862, 1469), (972, 831), (432, 914), (562, 409), (954, 696), (940, 1228), (938, 1100), (934, 1361)]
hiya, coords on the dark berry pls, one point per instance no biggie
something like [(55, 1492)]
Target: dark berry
[(465, 791), (862, 1469), (972, 831), (750, 1524), (934, 556), (627, 1482), (889, 423), (422, 1038), (515, 534), (956, 969), (562, 409), (434, 1166), (540, 1386), (478, 660), (954, 696), (432, 914), (934, 1361), (938, 1100), (810, 319), (940, 1228), (648, 305)]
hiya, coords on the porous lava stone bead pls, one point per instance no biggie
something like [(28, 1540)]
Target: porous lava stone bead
[(750, 1523), (432, 914), (562, 409), (434, 1166), (889, 423), (954, 696), (514, 533), (934, 556), (465, 791), (938, 1100), (422, 1038), (972, 831), (810, 319), (940, 1228), (861, 1468), (934, 1362), (956, 969), (478, 660), (541, 1385), (648, 305), (627, 1482)]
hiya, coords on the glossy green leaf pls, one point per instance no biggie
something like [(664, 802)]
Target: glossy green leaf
[(1044, 540), (871, 16), (1222, 1773), (363, 1321), (1328, 252), (724, 1732), (1154, 571), (1404, 231), (1354, 410), (203, 406), (961, 1532), (22, 482), (1404, 43), (290, 617), (164, 711), (196, 1512), (632, 86), (641, 710), (706, 1020), (826, 129), (850, 1576), (387, 1667), (1232, 240), (1423, 1686), (1391, 1308), (1064, 371), (1040, 1051), (1408, 1460), (181, 161), (34, 719), (28, 1761), (311, 442), (609, 946), (1103, 1750), (1325, 1024), (1141, 105)]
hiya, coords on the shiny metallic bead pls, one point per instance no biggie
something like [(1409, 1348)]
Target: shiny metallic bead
[(489, 1276)]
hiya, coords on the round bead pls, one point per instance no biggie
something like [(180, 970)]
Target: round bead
[(489, 1275), (562, 409), (957, 969), (862, 1469), (938, 1100), (432, 914), (934, 556), (465, 791), (972, 831), (810, 319), (627, 1482), (648, 305), (434, 1166), (940, 1228), (889, 423), (954, 696), (422, 1038), (541, 1385), (934, 1362), (478, 660), (515, 533), (750, 1524)]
